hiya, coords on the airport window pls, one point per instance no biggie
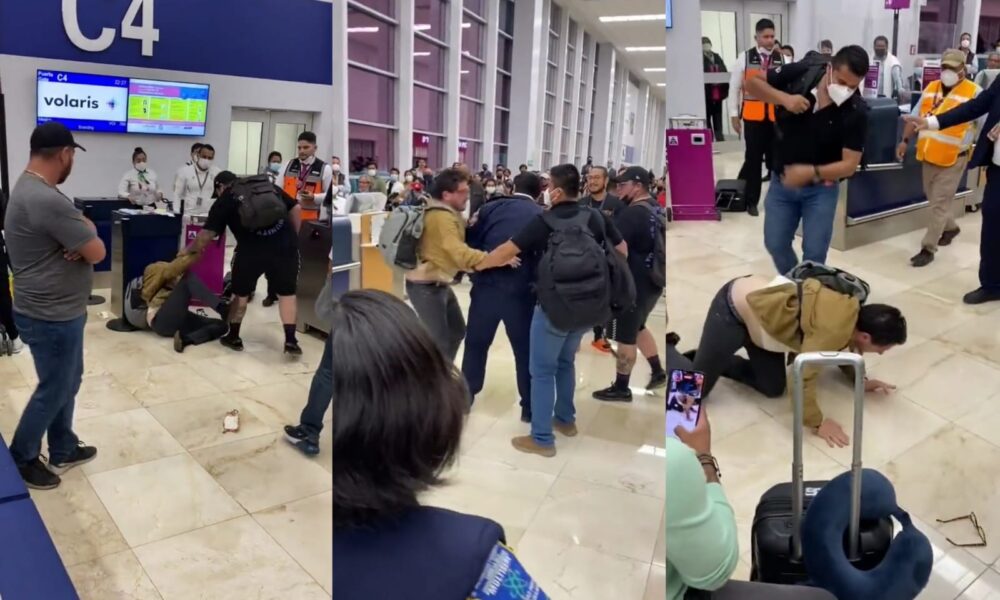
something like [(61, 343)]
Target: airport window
[(386, 7), (468, 153), (555, 16), (428, 62), (472, 78), (550, 107), (431, 18), (553, 48), (370, 96), (428, 109), (500, 131), (938, 26), (550, 79), (503, 91), (505, 53), (547, 159), (474, 6), (366, 142), (472, 38), (370, 41), (468, 123), (500, 154), (430, 147), (507, 17), (572, 32)]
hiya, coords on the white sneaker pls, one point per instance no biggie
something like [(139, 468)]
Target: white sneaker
[(18, 346)]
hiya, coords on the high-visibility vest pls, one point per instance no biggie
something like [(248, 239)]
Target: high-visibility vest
[(754, 109), (942, 148), (309, 181)]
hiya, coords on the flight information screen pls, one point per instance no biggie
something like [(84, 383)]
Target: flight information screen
[(83, 102), (167, 107)]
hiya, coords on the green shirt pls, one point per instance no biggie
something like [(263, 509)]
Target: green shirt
[(702, 547)]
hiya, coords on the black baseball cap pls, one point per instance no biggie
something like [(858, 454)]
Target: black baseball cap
[(636, 174), (52, 135), (224, 178)]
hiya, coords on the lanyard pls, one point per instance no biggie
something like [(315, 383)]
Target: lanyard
[(303, 174), (201, 183)]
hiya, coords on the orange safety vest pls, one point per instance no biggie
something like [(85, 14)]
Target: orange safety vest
[(754, 109), (942, 148), (311, 181)]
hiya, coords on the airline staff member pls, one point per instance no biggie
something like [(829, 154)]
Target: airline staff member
[(307, 178), (195, 184), (753, 114), (139, 184)]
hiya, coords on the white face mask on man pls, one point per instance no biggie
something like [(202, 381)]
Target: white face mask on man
[(950, 78)]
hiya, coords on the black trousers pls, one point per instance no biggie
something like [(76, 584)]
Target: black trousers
[(759, 138), (724, 333), (174, 315), (6, 303), (989, 240), (713, 109), (490, 306)]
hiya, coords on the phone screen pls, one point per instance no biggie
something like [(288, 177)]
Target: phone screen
[(684, 400)]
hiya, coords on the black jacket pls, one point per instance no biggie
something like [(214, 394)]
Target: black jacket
[(987, 102), (710, 61)]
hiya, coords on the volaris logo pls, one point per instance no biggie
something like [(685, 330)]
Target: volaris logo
[(68, 102)]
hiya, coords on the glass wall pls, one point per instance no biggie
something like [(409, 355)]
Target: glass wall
[(371, 80), (473, 67), (551, 82), (430, 60), (505, 59)]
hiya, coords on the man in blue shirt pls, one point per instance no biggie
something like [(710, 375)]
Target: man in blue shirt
[(504, 294)]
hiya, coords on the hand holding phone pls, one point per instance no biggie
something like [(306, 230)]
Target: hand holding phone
[(684, 400)]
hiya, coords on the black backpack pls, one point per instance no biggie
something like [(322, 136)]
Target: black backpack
[(259, 202), (574, 283), (657, 259)]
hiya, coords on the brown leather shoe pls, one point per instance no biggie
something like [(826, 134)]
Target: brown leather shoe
[(528, 445), (567, 429), (948, 236)]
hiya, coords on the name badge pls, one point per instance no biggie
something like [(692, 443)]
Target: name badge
[(504, 578)]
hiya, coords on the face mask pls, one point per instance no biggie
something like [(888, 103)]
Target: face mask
[(950, 78), (140, 166), (394, 176), (839, 93), (547, 198), (408, 178), (204, 164), (336, 168), (372, 172), (966, 43), (491, 190), (275, 168), (706, 48)]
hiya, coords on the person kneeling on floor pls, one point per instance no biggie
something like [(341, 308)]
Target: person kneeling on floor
[(159, 300), (770, 318)]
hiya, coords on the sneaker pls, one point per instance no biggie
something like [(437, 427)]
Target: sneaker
[(657, 381), (293, 348), (269, 301), (178, 343), (948, 236), (233, 343), (981, 296), (613, 394), (528, 445), (298, 437), (923, 258), (601, 346), (16, 346), (752, 211), (37, 477), (81, 456), (567, 429)]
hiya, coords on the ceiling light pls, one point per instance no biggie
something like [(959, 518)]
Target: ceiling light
[(661, 85), (421, 54), (655, 69), (421, 27), (362, 30), (466, 25), (633, 18), (465, 72), (645, 48)]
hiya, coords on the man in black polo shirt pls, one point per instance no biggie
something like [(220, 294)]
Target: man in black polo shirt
[(600, 198), (821, 136), (638, 224)]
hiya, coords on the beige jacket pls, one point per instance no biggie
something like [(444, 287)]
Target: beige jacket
[(443, 251)]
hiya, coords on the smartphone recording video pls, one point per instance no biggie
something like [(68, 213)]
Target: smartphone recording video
[(684, 400)]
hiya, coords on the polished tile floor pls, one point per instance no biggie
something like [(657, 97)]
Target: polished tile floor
[(172, 508), (936, 438)]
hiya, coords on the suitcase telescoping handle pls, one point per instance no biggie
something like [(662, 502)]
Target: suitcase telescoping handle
[(826, 359)]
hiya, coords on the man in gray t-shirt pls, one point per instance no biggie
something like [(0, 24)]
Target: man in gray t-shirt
[(52, 250)]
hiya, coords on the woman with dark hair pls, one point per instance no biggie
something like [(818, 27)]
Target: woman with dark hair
[(139, 185), (398, 411)]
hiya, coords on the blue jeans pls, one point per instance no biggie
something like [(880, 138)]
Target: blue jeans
[(553, 376), (320, 393), (57, 349), (815, 206)]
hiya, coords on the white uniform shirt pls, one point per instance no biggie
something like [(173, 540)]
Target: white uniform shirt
[(193, 189), (736, 80), (132, 186)]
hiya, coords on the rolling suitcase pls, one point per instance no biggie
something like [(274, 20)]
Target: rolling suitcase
[(730, 195), (775, 538)]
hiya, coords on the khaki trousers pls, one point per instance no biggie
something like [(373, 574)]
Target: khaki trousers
[(940, 185)]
